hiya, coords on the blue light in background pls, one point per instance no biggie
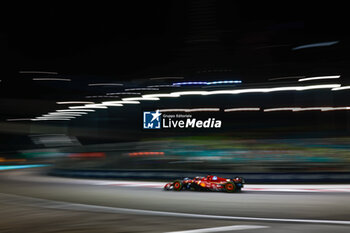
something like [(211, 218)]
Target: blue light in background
[(9, 167)]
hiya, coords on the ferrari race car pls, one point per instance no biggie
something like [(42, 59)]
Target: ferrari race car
[(209, 183)]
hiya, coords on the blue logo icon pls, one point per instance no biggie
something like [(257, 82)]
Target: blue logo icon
[(151, 120)]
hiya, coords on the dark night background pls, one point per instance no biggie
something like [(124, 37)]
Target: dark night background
[(133, 41)]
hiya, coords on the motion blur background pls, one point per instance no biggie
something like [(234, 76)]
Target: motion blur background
[(63, 65)]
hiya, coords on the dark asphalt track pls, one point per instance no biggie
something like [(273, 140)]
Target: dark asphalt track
[(261, 205)]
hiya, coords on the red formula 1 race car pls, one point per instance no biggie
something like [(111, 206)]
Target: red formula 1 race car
[(209, 183)]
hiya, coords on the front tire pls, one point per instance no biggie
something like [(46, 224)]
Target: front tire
[(177, 185), (230, 187)]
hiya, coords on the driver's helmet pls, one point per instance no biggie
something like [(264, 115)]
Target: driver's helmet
[(215, 178)]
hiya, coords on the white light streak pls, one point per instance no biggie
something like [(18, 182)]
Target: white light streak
[(54, 117), (159, 95), (67, 113), (280, 109), (71, 110), (120, 102), (50, 119), (112, 104), (336, 108), (300, 109), (310, 109), (319, 78), (241, 109), (341, 88), (88, 106), (58, 116), (321, 44), (139, 98), (180, 93)]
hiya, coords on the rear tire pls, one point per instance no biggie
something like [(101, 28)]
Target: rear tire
[(230, 187), (177, 185)]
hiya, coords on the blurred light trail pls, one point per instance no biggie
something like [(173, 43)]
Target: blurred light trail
[(161, 78), (336, 108), (273, 89), (50, 119), (319, 78), (105, 84), (139, 98), (159, 95), (59, 116), (68, 112), (52, 79), (222, 229), (64, 114), (321, 44), (54, 117), (72, 110), (310, 109), (121, 102), (8, 167), (47, 116), (75, 102), (145, 153), (112, 104), (341, 88), (190, 83), (18, 119), (279, 109), (224, 82), (142, 89), (299, 109), (88, 106), (36, 72), (241, 91), (11, 160), (241, 109), (190, 110)]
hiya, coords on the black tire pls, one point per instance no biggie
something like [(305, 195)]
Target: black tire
[(177, 185), (230, 187)]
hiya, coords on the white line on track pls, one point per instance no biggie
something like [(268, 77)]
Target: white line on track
[(45, 203), (221, 229)]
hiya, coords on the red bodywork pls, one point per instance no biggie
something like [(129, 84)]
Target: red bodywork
[(209, 183)]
